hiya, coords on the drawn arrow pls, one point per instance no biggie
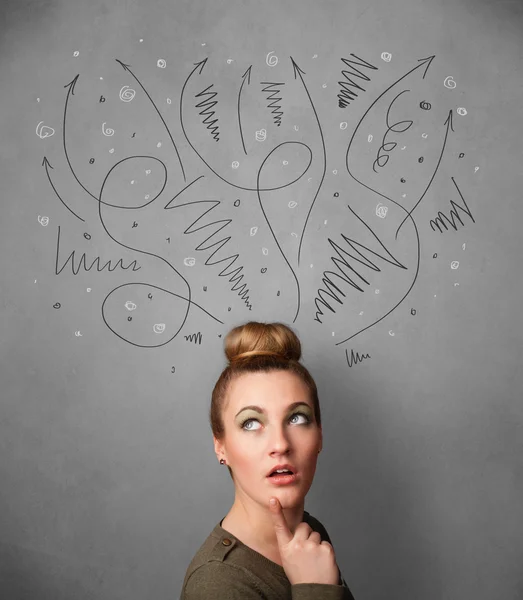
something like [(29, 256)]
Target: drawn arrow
[(128, 68), (201, 65), (248, 72), (47, 165), (448, 123), (70, 92), (298, 71)]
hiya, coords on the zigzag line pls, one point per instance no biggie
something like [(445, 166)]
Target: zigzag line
[(207, 104), (278, 114), (346, 95), (235, 276)]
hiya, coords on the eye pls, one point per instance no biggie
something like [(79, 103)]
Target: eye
[(307, 420)]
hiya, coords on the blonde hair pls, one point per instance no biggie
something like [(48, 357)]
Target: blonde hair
[(255, 347)]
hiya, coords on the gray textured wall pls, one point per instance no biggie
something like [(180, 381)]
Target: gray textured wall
[(118, 284)]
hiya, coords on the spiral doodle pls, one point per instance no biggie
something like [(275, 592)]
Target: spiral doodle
[(108, 132), (127, 94), (272, 61)]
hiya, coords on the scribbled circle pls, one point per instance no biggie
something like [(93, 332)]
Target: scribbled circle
[(386, 56), (189, 261), (420, 159), (265, 251), (76, 53), (449, 82), (285, 162), (229, 61), (253, 231), (454, 264), (44, 221), (424, 135), (130, 305), (127, 94), (168, 101), (43, 131), (292, 204), (424, 105), (381, 211), (57, 305), (369, 139), (476, 169), (161, 63), (324, 85), (461, 155), (272, 61), (261, 135), (159, 327), (343, 125), (235, 164), (461, 111)]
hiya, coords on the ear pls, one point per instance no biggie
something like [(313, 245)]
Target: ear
[(218, 447)]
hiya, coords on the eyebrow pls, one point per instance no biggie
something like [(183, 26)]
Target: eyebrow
[(263, 411)]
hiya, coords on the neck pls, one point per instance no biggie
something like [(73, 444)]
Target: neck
[(253, 524)]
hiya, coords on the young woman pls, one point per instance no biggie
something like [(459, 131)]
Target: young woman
[(265, 417)]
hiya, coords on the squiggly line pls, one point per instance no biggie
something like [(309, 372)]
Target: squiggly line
[(454, 214), (355, 358), (82, 262)]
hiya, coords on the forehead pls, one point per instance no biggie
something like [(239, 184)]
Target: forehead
[(270, 389)]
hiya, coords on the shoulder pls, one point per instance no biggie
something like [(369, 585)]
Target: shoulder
[(316, 525), (221, 581)]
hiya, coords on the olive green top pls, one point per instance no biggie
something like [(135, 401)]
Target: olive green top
[(224, 568)]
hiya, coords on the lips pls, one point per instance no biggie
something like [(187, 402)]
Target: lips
[(287, 466)]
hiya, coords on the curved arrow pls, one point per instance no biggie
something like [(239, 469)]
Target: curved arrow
[(70, 91), (248, 72), (202, 64), (127, 68), (46, 164), (298, 71), (448, 123)]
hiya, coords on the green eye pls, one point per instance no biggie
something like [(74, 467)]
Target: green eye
[(307, 420)]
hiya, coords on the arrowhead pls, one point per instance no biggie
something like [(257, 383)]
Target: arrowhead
[(46, 163), (72, 84), (427, 61), (296, 68), (126, 67), (202, 63), (248, 72), (450, 119)]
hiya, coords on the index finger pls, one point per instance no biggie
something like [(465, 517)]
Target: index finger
[(283, 533)]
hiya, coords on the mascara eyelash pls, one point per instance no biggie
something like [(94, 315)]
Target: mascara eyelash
[(293, 415)]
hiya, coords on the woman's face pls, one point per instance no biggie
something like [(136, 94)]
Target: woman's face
[(255, 442)]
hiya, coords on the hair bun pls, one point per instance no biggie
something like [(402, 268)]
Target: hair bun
[(262, 339)]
